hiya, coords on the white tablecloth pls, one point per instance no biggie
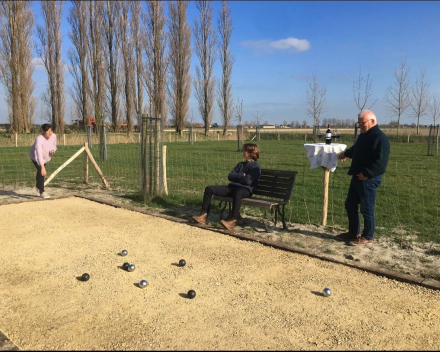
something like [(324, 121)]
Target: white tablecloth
[(321, 154)]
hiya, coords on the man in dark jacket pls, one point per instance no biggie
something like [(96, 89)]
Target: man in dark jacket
[(244, 178), (369, 154)]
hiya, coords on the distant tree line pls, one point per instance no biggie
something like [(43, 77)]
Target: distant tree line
[(126, 60)]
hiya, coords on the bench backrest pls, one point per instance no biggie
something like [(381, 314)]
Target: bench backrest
[(276, 184)]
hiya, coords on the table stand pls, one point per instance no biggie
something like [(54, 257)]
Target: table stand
[(325, 196)]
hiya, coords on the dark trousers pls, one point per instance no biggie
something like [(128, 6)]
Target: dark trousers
[(39, 178), (363, 193), (237, 193)]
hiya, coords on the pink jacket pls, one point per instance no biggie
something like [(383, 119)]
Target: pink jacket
[(40, 149)]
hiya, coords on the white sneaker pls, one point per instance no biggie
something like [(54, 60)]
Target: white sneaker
[(37, 191), (44, 195)]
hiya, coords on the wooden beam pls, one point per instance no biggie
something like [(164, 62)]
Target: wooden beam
[(64, 165), (98, 170)]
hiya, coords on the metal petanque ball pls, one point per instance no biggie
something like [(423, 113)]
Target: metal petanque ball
[(85, 277), (143, 283), (125, 265), (124, 252), (327, 292), (191, 294), (182, 262), (131, 267)]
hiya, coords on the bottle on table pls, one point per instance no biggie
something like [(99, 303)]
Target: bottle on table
[(328, 135)]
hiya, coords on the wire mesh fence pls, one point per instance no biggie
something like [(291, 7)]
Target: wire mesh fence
[(407, 200)]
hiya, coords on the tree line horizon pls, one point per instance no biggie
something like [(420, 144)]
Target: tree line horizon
[(129, 60)]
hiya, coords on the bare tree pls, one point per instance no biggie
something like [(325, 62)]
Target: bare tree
[(434, 107), (239, 111), (78, 56), (420, 97), (97, 60), (205, 42), (138, 38), (16, 67), (127, 49), (398, 95), (179, 89), (257, 118), (111, 13), (50, 52), (227, 60), (315, 99), (157, 60), (361, 94)]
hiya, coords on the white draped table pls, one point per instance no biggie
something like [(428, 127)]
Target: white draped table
[(326, 156)]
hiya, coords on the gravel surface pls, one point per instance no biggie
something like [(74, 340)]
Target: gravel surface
[(249, 296)]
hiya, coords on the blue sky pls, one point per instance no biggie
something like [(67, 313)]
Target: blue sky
[(277, 46)]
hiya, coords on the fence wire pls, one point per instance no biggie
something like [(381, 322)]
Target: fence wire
[(406, 204)]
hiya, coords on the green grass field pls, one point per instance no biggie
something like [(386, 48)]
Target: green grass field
[(407, 200)]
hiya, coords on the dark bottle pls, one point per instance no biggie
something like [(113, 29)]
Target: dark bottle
[(328, 135)]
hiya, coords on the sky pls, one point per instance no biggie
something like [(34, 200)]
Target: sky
[(278, 45)]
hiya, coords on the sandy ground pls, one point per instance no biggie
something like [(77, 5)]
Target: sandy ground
[(248, 296)]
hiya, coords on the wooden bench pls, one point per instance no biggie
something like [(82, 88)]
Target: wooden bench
[(272, 193)]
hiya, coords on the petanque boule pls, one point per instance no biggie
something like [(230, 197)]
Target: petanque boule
[(124, 252), (85, 277), (191, 294), (125, 265), (143, 283), (326, 292), (131, 267), (182, 262)]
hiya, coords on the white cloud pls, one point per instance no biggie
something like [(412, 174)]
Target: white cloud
[(269, 46), (38, 62)]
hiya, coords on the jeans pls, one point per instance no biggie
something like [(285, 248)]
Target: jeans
[(39, 178), (237, 193), (363, 193)]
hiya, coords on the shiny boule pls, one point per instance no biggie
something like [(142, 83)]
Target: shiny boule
[(131, 267), (124, 252), (327, 292), (143, 283), (182, 262)]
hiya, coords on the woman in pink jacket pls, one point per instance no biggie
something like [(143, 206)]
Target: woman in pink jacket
[(45, 145)]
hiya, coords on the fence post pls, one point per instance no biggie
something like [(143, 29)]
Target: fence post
[(86, 165)]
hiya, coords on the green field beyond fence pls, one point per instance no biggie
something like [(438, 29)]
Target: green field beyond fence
[(407, 201)]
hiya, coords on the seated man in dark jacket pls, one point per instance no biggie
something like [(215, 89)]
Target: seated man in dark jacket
[(244, 177)]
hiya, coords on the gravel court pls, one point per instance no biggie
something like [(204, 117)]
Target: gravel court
[(249, 296)]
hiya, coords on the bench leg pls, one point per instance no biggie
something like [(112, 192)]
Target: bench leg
[(223, 209), (282, 217), (271, 219)]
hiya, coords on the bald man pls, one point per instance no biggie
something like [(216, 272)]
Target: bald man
[(369, 154)]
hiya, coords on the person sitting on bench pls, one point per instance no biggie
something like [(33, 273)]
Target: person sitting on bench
[(244, 178)]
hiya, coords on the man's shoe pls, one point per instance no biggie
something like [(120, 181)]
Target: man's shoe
[(360, 240), (44, 195), (347, 236), (37, 191), (228, 224), (201, 219)]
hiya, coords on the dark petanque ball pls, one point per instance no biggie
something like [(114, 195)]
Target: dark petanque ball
[(326, 292), (85, 277), (143, 283), (131, 267), (191, 294), (182, 262), (124, 252), (125, 265)]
